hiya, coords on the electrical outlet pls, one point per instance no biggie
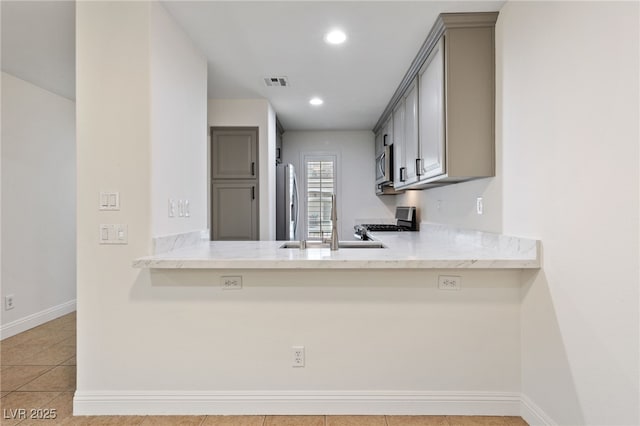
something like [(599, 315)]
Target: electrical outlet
[(231, 283), (479, 205), (449, 282), (8, 302), (297, 356)]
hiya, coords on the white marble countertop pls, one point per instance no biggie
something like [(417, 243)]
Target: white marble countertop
[(434, 247)]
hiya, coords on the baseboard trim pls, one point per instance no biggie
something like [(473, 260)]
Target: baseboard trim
[(34, 320), (296, 403), (533, 414)]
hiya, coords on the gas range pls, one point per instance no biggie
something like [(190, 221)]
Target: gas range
[(405, 221), (381, 227)]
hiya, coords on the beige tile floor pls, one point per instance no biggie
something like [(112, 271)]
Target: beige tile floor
[(38, 371)]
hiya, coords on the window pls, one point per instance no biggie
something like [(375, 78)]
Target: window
[(320, 180)]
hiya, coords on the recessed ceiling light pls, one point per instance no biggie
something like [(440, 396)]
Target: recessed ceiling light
[(335, 37), (316, 101)]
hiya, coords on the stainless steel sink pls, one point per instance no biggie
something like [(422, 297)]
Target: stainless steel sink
[(341, 244)]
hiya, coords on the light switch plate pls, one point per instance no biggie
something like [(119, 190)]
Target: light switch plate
[(113, 234), (109, 200)]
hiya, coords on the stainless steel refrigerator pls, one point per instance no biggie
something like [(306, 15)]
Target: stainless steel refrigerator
[(286, 203)]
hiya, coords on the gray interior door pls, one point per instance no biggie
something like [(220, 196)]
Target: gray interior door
[(234, 183)]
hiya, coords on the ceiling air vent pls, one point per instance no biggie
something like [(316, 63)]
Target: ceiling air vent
[(276, 81)]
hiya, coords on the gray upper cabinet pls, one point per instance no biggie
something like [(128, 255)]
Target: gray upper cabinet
[(446, 101), (405, 138), (398, 146), (278, 148), (384, 136), (279, 137), (387, 132), (431, 160), (234, 153), (379, 145)]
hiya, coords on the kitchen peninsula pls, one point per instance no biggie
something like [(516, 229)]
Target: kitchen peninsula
[(416, 344)]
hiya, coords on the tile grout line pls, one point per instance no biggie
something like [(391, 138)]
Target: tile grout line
[(53, 367), (40, 375)]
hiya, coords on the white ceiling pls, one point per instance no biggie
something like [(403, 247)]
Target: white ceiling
[(38, 43), (247, 41)]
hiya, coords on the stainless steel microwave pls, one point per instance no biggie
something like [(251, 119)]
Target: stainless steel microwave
[(384, 166)]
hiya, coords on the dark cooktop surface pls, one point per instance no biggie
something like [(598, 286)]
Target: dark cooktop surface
[(377, 227)]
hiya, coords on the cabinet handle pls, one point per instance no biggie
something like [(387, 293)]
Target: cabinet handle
[(253, 192), (419, 166), (253, 168), (403, 175), (384, 140)]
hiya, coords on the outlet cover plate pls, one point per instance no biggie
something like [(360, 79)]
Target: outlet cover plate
[(297, 356), (231, 282), (9, 303), (449, 282)]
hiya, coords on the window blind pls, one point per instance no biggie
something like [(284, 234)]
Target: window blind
[(320, 181)]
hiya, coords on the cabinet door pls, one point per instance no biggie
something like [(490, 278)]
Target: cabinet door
[(411, 133), (235, 210), (387, 132), (278, 147), (234, 153), (399, 162), (431, 106), (379, 145)]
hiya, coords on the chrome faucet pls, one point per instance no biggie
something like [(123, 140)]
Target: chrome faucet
[(334, 224)]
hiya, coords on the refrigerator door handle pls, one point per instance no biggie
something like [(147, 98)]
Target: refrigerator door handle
[(295, 206)]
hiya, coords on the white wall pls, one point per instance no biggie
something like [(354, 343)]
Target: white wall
[(38, 204), (367, 334), (567, 173), (254, 113), (570, 142), (456, 204), (178, 127), (113, 139), (356, 175), (117, 89)]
